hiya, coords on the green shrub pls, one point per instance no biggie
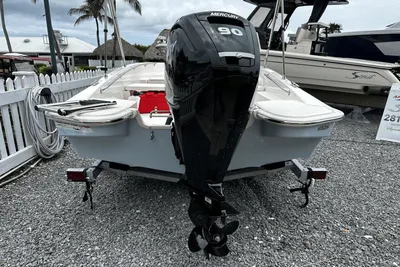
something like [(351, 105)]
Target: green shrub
[(83, 68), (38, 65), (45, 70), (89, 68)]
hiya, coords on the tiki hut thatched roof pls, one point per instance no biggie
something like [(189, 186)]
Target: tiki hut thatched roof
[(157, 54), (129, 50)]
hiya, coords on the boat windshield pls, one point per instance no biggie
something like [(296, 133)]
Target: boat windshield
[(24, 65), (259, 16), (278, 22)]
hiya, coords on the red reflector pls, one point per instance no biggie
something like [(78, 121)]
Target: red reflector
[(318, 174), (76, 175)]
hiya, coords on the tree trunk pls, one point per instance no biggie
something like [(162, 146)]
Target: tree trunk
[(3, 24), (98, 38), (58, 52), (115, 39), (114, 49), (97, 32)]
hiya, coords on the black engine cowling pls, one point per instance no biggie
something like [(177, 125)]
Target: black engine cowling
[(211, 72)]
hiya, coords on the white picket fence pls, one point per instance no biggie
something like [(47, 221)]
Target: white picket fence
[(15, 142)]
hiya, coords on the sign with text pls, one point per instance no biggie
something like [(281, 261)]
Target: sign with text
[(389, 128)]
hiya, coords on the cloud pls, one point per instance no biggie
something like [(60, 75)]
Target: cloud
[(24, 18)]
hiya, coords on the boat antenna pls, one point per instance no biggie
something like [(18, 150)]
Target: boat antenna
[(114, 16), (279, 4), (271, 32), (105, 39), (283, 37)]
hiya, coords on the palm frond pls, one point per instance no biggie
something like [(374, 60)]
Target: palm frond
[(136, 5), (110, 21), (82, 19), (82, 10)]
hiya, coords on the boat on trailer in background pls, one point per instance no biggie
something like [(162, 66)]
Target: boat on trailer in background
[(331, 79), (211, 113)]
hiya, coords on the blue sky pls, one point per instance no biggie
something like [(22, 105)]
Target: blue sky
[(24, 18)]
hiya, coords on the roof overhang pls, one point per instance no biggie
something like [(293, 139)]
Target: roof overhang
[(15, 57), (298, 3)]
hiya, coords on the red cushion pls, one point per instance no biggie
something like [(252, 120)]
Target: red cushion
[(150, 100)]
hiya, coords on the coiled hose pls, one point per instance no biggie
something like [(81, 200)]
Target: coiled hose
[(47, 143)]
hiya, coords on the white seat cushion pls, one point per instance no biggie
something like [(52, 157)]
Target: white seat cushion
[(294, 111)]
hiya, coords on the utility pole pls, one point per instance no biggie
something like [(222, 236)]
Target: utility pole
[(50, 34)]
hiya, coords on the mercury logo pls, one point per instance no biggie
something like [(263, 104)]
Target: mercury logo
[(238, 55), (227, 15)]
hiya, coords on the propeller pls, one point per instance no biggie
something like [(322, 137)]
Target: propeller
[(207, 235), (212, 240)]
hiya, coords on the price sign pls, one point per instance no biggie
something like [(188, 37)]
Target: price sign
[(389, 128)]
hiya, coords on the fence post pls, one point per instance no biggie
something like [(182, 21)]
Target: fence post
[(47, 80), (18, 127), (36, 79), (41, 79), (53, 79), (5, 116), (3, 149), (22, 110)]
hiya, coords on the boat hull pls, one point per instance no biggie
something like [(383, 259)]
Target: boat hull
[(263, 142), (334, 74), (378, 45)]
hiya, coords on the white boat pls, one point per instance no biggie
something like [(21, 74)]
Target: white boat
[(285, 123), (333, 79), (207, 115)]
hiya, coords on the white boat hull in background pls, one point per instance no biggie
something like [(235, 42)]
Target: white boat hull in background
[(335, 74)]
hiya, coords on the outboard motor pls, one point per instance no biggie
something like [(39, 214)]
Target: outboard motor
[(211, 72)]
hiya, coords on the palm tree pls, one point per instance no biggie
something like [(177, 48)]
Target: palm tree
[(334, 28), (137, 7), (91, 9), (3, 24)]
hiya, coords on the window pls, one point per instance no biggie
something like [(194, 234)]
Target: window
[(278, 22), (24, 66), (259, 16)]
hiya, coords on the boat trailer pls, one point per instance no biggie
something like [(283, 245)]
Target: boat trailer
[(203, 211), (306, 176)]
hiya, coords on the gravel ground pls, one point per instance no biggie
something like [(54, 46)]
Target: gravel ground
[(352, 220)]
